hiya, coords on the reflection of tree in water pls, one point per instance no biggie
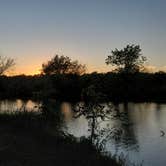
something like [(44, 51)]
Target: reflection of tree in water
[(97, 114), (50, 110), (123, 120)]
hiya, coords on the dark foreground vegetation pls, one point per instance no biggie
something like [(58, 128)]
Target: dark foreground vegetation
[(114, 86), (33, 139)]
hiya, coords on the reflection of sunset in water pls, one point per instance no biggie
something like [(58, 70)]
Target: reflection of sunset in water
[(18, 105), (67, 111)]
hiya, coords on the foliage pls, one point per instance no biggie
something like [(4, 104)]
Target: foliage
[(110, 87), (63, 65), (95, 113), (25, 140), (5, 64), (127, 60)]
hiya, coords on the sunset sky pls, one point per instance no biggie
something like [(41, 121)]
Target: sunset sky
[(32, 31)]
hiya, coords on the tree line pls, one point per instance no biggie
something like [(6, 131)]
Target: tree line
[(65, 79), (70, 87), (127, 60)]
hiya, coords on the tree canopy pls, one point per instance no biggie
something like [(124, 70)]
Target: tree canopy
[(127, 60), (5, 64), (63, 65)]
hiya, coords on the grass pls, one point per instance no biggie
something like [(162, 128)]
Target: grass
[(33, 139)]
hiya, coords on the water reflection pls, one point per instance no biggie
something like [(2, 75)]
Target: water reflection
[(17, 105), (66, 110), (141, 124), (128, 140)]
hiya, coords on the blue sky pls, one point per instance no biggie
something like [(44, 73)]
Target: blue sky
[(32, 31)]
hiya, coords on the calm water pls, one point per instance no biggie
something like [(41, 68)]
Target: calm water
[(141, 138), (18, 105)]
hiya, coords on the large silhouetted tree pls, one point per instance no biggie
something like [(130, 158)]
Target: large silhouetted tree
[(63, 65), (5, 64), (127, 60)]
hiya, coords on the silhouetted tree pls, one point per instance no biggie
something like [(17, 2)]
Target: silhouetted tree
[(92, 110), (63, 65), (5, 64), (96, 112), (127, 60)]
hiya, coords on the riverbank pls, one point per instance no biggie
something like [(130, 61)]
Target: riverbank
[(29, 139)]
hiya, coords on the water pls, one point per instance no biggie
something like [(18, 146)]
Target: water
[(141, 139), (18, 105)]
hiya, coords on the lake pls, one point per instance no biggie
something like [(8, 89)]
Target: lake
[(141, 139)]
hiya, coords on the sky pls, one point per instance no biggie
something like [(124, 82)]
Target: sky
[(33, 31)]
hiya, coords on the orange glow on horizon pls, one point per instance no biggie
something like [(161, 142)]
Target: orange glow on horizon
[(30, 70)]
